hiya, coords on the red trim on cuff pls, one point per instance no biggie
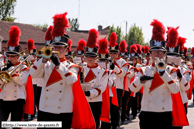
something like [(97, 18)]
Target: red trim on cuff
[(113, 83), (140, 70), (34, 67), (128, 73), (126, 64), (13, 75), (134, 85), (170, 82), (186, 84), (187, 72), (173, 70), (99, 91), (119, 72), (25, 69), (68, 74)]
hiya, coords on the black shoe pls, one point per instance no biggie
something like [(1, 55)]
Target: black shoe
[(127, 117), (114, 127), (134, 117)]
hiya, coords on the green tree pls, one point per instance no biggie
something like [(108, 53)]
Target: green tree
[(7, 9), (135, 36), (112, 29), (119, 34), (41, 26), (74, 24)]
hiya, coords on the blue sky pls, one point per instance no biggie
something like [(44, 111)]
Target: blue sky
[(171, 13)]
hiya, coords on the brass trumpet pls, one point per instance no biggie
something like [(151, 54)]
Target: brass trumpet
[(46, 52), (160, 64)]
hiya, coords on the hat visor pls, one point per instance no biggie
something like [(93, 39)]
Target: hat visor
[(124, 56), (103, 59), (172, 54), (90, 54), (11, 53), (59, 44), (112, 51), (158, 48)]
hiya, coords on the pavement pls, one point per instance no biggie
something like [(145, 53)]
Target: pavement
[(134, 124)]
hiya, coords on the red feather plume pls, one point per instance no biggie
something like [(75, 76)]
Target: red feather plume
[(158, 30), (139, 49), (185, 51), (133, 49), (81, 45), (14, 35), (103, 46), (181, 42), (172, 37), (192, 51), (143, 48), (123, 46), (113, 39), (30, 44), (146, 49), (60, 24), (48, 35), (69, 45), (92, 38)]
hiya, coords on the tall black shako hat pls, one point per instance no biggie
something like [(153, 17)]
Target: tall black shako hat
[(58, 33), (91, 45), (13, 42), (103, 49), (123, 49), (157, 41), (81, 47), (172, 39), (113, 46)]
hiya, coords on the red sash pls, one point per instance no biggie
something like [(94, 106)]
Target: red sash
[(29, 103), (189, 91), (82, 114), (105, 112), (178, 111), (132, 94), (114, 98), (125, 84), (156, 82)]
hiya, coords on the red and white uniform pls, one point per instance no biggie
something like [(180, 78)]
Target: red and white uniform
[(98, 78), (156, 99), (16, 88), (56, 96)]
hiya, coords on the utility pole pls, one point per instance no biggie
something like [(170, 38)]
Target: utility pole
[(78, 9), (126, 32)]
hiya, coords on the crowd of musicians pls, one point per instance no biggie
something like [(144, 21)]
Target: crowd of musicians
[(116, 84)]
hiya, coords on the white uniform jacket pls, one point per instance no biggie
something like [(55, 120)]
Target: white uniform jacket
[(56, 96), (16, 88), (159, 99), (121, 67), (98, 79), (184, 83)]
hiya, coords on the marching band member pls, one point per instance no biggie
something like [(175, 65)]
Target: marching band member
[(133, 97), (182, 73), (120, 66), (95, 77), (158, 85), (80, 49), (13, 94), (103, 54), (56, 101), (126, 93), (192, 72)]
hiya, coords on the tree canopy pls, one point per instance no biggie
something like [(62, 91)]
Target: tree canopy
[(7, 9)]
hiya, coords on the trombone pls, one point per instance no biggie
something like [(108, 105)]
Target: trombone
[(5, 77)]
